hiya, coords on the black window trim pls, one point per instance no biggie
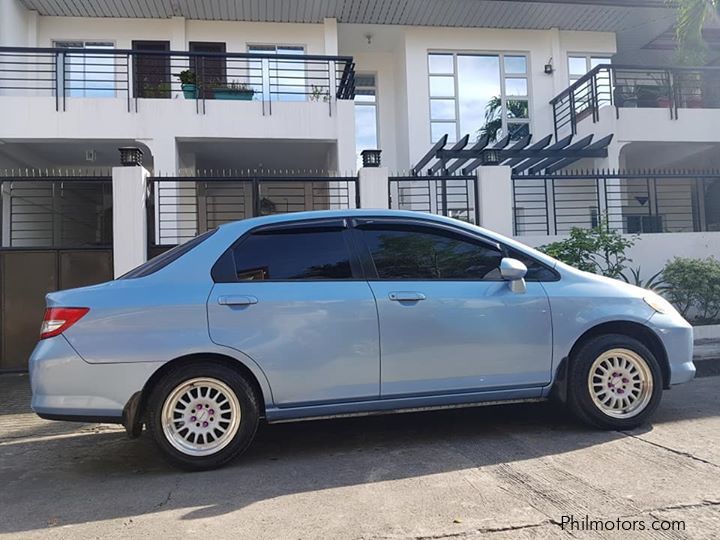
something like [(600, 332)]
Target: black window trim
[(336, 223), (368, 264)]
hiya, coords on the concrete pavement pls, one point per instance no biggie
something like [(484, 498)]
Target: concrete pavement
[(497, 472)]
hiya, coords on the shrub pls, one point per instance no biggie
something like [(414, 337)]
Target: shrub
[(598, 250), (694, 288)]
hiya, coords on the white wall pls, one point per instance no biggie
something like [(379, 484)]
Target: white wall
[(17, 25), (538, 45)]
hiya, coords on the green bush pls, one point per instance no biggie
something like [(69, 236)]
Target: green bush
[(598, 250), (693, 286)]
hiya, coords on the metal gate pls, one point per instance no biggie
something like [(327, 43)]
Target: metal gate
[(56, 234), (181, 207), (453, 196)]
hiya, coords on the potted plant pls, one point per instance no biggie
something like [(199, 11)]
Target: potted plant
[(188, 83), (234, 90)]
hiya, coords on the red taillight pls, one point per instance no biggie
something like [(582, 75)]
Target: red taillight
[(59, 319)]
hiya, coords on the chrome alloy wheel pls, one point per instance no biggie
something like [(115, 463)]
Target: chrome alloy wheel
[(201, 416), (620, 383)]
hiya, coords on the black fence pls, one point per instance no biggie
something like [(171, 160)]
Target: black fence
[(56, 211), (452, 196), (158, 74), (635, 87), (181, 207), (641, 202)]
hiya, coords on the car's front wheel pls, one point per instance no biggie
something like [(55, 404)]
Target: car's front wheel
[(615, 382), (202, 415)]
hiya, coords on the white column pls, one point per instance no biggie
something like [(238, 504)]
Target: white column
[(129, 218), (373, 187), (494, 188), (330, 31)]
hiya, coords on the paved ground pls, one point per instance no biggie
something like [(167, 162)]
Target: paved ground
[(502, 473)]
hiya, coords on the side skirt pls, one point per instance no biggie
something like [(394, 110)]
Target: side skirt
[(376, 408)]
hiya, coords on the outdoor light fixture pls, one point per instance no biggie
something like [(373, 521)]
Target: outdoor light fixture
[(549, 69), (130, 156), (491, 156), (371, 158)]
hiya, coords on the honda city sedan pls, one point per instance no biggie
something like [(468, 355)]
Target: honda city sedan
[(337, 313)]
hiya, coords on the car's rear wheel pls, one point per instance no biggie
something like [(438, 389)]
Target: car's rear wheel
[(202, 415), (615, 382)]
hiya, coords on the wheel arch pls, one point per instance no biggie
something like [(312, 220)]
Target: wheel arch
[(134, 412), (632, 329)]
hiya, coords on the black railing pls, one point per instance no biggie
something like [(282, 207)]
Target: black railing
[(138, 74), (56, 211), (642, 202), (624, 86), (452, 196), (182, 207)]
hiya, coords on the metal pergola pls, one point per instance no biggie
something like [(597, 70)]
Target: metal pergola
[(542, 156)]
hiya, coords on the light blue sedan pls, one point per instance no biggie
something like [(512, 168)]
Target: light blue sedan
[(337, 313)]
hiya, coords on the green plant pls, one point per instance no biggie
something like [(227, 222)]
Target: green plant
[(318, 92), (692, 14), (187, 76), (234, 86), (694, 288), (493, 116), (599, 250), (653, 283)]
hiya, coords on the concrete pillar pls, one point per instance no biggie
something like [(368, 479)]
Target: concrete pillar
[(330, 36), (494, 188), (129, 218), (373, 187)]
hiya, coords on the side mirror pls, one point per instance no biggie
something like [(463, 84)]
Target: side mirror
[(513, 271)]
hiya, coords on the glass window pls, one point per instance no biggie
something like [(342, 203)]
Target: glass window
[(440, 63), (537, 271), (579, 65), (366, 125), (162, 260), (283, 79), (475, 89), (421, 253), (293, 254), (86, 74)]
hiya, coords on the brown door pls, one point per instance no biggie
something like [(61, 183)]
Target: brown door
[(151, 72), (211, 71)]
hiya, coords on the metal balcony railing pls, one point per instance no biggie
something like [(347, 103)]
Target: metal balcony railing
[(134, 74), (625, 86)]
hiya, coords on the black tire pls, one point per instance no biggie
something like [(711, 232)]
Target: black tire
[(248, 423), (580, 400)]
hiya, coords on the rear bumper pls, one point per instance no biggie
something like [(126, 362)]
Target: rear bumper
[(677, 337), (65, 387)]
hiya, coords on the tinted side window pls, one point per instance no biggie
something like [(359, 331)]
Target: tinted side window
[(421, 253), (537, 271), (162, 260), (293, 254)]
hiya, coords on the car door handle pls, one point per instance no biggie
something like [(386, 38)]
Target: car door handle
[(406, 296), (237, 300)]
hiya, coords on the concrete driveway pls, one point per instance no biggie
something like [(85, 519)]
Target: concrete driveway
[(498, 472)]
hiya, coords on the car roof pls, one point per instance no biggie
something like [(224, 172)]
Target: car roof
[(245, 224)]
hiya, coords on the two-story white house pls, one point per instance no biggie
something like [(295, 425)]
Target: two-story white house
[(247, 107)]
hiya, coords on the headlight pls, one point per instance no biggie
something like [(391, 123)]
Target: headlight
[(659, 304)]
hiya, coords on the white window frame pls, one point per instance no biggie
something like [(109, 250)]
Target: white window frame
[(588, 63), (503, 94), (56, 43)]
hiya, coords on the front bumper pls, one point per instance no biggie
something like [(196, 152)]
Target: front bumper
[(65, 387), (676, 335)]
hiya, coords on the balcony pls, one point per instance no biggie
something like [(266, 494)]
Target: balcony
[(131, 74), (647, 99), (162, 96)]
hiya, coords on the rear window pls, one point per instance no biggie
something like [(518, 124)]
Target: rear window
[(162, 260)]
